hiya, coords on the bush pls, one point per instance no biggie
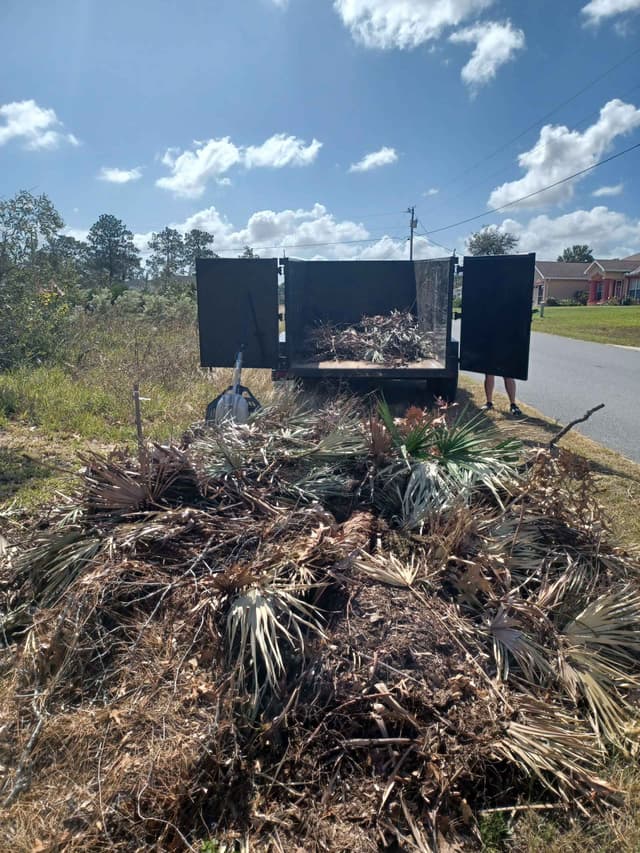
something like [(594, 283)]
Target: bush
[(552, 302), (581, 297)]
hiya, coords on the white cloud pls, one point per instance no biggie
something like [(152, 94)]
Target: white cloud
[(299, 232), (281, 150), (375, 160), (560, 152), (495, 44), (597, 10), (616, 189), (431, 191), (403, 24), (119, 176), (36, 126), (211, 159), (609, 233), (193, 169)]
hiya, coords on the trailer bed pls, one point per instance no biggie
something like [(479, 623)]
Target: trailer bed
[(365, 369)]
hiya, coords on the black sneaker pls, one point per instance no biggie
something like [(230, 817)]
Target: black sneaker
[(487, 407), (516, 411)]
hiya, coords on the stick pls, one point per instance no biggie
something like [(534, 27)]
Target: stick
[(142, 450), (525, 808), (571, 424)]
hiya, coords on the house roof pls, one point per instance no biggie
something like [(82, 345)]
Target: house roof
[(614, 265), (635, 257), (560, 269)]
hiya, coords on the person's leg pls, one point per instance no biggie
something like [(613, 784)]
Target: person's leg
[(489, 385), (510, 387)]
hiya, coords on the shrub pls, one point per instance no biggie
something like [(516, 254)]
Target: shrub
[(552, 302)]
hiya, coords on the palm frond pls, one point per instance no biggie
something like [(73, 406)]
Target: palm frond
[(510, 639), (260, 623), (600, 660), (551, 744)]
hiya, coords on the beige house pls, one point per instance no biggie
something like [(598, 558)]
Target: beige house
[(558, 280)]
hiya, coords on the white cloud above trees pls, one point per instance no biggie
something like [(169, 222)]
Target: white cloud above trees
[(119, 176), (39, 128)]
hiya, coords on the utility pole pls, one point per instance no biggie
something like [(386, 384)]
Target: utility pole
[(413, 222)]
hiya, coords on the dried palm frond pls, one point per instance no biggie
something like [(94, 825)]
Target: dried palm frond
[(600, 656), (260, 623), (395, 338), (552, 745), (510, 638), (389, 569)]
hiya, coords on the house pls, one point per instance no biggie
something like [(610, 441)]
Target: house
[(616, 278), (558, 280)]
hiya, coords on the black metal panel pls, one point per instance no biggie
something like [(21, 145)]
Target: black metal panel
[(496, 314), (342, 292), (238, 305)]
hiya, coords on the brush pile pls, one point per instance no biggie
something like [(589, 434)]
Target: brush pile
[(322, 630), (391, 339)]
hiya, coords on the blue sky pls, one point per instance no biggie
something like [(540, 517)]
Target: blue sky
[(278, 123)]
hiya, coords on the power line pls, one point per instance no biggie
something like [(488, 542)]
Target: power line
[(545, 116), (537, 192)]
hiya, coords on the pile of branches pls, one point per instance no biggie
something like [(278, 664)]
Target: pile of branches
[(390, 339), (323, 630)]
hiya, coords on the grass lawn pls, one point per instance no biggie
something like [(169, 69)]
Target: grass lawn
[(604, 324)]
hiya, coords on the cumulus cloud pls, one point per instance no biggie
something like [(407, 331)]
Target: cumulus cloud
[(560, 152), (596, 10), (616, 189), (610, 234), (38, 127), (299, 232), (431, 191), (281, 150), (387, 24), (192, 170), (119, 176), (384, 157), (495, 44)]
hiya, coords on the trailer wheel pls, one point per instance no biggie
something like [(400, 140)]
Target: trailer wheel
[(444, 388)]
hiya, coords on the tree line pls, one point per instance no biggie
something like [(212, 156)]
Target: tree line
[(31, 236)]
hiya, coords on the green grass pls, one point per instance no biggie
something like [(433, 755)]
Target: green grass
[(604, 324)]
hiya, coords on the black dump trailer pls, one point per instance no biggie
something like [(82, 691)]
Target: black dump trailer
[(238, 306)]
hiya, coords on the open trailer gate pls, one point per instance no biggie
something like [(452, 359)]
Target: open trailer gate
[(238, 307)]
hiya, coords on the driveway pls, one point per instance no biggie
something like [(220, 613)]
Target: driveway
[(568, 377)]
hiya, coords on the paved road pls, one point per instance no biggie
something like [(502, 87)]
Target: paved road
[(567, 377)]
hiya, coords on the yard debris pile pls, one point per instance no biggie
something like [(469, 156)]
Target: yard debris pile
[(324, 630), (393, 340)]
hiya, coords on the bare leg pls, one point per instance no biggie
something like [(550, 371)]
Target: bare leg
[(510, 386), (489, 385)]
